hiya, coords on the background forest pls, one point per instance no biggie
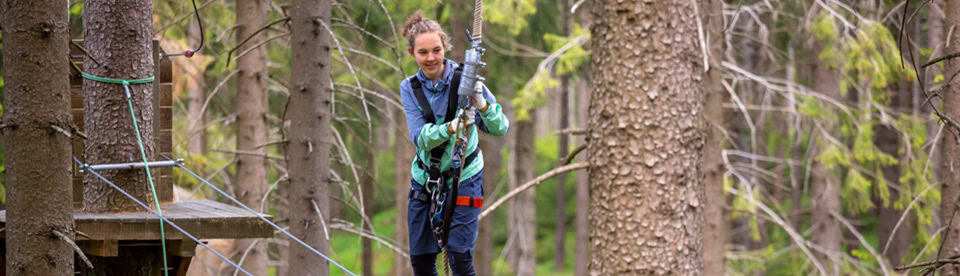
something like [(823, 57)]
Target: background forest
[(828, 144)]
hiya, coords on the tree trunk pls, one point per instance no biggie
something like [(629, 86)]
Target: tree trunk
[(582, 250), (403, 152), (492, 163), (196, 87), (559, 258), (888, 141), (251, 105), (461, 17), (523, 213), (645, 139), (825, 184), (715, 232), (950, 162), (310, 136), (123, 49), (38, 159), (367, 183)]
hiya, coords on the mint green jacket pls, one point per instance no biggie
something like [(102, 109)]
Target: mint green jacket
[(427, 136)]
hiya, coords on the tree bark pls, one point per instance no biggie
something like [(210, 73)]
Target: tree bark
[(582, 250), (310, 135), (522, 226), (888, 140), (38, 158), (251, 105), (492, 163), (825, 184), (118, 35), (196, 94), (950, 162), (403, 152), (559, 258), (367, 183), (645, 139), (715, 232)]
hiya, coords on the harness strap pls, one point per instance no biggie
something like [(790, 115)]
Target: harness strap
[(466, 201), (437, 153), (434, 172)]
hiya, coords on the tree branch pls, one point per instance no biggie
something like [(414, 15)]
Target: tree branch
[(75, 247), (531, 183), (573, 154)]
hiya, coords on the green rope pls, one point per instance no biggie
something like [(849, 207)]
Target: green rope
[(116, 81), (136, 128)]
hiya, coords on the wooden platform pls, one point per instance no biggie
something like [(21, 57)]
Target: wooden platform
[(204, 219)]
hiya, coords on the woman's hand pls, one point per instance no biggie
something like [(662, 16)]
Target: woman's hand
[(478, 100), (458, 124)]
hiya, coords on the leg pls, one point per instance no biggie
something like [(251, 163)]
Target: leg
[(461, 263), (424, 265)]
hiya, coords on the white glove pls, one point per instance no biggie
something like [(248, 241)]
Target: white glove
[(478, 98), (457, 125)]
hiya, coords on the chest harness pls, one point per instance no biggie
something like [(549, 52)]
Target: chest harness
[(441, 197)]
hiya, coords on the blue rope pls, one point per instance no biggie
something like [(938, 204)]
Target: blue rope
[(144, 205), (260, 216)]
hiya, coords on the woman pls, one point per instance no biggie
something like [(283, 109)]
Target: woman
[(429, 103)]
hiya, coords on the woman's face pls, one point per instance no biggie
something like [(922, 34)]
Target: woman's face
[(428, 49)]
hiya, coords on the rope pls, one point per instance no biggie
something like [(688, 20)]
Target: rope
[(477, 19), (174, 225), (189, 53), (143, 153), (234, 200), (116, 81)]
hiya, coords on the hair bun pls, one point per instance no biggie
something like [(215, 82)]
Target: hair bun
[(415, 18)]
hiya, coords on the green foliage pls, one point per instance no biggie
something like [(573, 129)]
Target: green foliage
[(509, 13), (533, 93), (856, 192)]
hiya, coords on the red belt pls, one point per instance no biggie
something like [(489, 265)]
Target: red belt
[(470, 201)]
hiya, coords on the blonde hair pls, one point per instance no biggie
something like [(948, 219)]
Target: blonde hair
[(416, 24)]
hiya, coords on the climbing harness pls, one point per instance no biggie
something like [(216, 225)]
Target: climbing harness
[(438, 194), (136, 129)]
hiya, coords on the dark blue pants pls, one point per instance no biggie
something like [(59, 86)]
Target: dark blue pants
[(463, 230), (425, 265)]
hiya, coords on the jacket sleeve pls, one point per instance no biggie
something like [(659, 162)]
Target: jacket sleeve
[(423, 135), (493, 121)]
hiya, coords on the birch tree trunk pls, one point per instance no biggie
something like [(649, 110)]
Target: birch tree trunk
[(645, 139), (403, 152), (308, 149), (523, 214), (251, 105), (582, 250), (36, 100), (197, 90), (825, 183)]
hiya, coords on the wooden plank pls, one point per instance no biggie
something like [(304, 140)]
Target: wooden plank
[(78, 118), (76, 97), (166, 94), (164, 117), (165, 70), (205, 219), (164, 141), (102, 248), (182, 248)]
